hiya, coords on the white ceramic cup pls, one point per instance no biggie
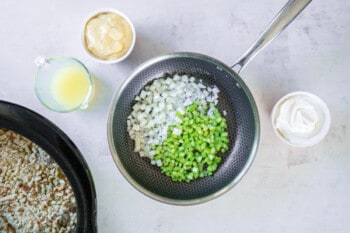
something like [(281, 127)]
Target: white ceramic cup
[(288, 117), (82, 35)]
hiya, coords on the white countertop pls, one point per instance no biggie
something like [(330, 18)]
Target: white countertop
[(287, 189)]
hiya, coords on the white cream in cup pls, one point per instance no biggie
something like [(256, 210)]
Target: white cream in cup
[(301, 119)]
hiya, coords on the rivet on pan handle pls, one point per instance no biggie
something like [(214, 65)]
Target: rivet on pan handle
[(288, 13)]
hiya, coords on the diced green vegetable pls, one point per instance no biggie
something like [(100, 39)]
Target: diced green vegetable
[(193, 153)]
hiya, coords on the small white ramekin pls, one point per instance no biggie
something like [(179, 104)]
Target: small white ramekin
[(305, 142), (94, 14)]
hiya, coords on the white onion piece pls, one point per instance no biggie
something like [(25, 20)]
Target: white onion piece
[(156, 106)]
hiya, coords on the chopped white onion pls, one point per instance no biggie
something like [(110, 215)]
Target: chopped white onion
[(156, 106)]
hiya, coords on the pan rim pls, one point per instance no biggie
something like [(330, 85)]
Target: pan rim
[(219, 192)]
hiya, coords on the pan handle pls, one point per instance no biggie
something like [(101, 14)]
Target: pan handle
[(288, 13)]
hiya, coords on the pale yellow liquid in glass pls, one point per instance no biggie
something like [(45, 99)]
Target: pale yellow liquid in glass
[(70, 86)]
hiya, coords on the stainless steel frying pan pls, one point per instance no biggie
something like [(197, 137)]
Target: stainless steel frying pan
[(235, 98)]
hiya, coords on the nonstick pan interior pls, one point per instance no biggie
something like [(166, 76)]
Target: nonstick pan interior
[(242, 120), (57, 144)]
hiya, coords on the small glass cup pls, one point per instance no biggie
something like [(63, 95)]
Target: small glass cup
[(63, 84)]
